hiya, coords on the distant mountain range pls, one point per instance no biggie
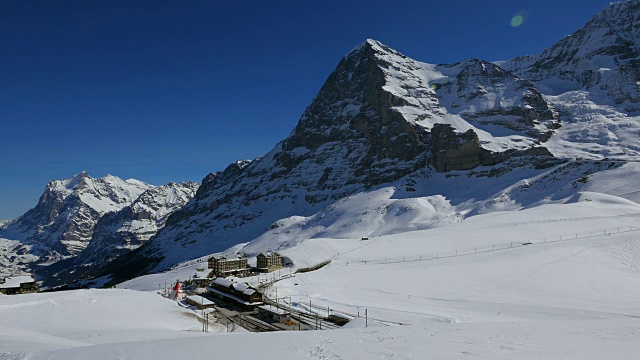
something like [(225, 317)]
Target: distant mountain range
[(84, 221), (403, 144)]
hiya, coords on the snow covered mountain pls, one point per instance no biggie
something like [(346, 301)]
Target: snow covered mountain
[(117, 233), (385, 121), (431, 144), (132, 226), (98, 218), (378, 118), (603, 55), (592, 78), (62, 223)]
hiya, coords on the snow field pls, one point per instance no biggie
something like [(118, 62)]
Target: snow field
[(569, 299), (80, 318)]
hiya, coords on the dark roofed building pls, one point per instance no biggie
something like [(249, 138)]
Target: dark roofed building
[(268, 262), (202, 277), (229, 265), (17, 285), (273, 313), (241, 293)]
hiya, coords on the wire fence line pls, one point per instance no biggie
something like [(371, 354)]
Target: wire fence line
[(313, 267), (496, 247), (312, 309)]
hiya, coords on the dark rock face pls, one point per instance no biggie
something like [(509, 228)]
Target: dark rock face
[(353, 111), (456, 151), (487, 95)]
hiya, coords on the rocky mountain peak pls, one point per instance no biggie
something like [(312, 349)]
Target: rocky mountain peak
[(370, 47), (353, 110)]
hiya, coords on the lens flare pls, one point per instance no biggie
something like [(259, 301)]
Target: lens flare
[(517, 20)]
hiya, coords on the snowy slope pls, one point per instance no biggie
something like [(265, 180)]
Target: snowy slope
[(585, 339), (594, 276), (505, 111), (593, 129), (84, 318), (569, 299), (443, 207), (445, 200)]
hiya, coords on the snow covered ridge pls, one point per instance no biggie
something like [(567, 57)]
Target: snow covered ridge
[(591, 78), (602, 56), (74, 213)]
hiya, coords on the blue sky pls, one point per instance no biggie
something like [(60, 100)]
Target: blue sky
[(172, 90)]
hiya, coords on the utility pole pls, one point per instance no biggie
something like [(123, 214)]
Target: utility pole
[(366, 318)]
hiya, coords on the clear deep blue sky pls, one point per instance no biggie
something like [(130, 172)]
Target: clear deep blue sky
[(172, 90)]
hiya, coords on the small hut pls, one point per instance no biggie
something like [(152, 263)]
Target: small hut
[(202, 278), (177, 293)]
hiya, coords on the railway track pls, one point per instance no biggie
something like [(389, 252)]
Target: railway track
[(252, 324)]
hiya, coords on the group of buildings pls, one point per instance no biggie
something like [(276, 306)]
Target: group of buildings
[(220, 267), (241, 293), (238, 265), (17, 285)]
